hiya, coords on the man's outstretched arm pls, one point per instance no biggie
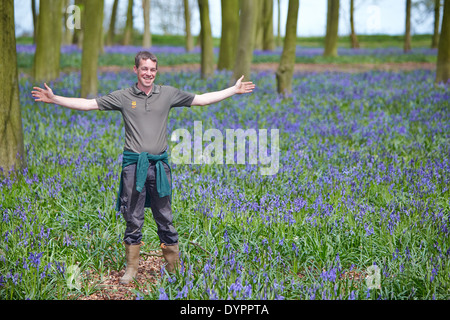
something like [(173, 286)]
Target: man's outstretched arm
[(46, 95), (213, 97)]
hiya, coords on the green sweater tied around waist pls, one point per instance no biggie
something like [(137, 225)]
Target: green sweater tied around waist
[(142, 163)]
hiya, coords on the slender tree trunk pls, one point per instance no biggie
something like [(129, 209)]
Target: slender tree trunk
[(353, 37), (287, 62), (101, 44), (443, 59), (198, 41), (67, 37), (91, 43), (187, 20), (35, 20), (435, 39), (258, 7), (279, 24), (331, 36), (247, 28), (230, 33), (128, 33), (407, 42), (78, 33), (48, 46), (268, 39), (206, 41), (147, 41), (11, 134), (112, 24)]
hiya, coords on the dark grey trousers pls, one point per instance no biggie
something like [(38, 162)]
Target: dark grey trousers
[(133, 204)]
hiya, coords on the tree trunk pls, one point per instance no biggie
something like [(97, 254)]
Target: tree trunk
[(331, 36), (101, 44), (286, 67), (230, 33), (91, 43), (78, 33), (268, 39), (48, 45), (279, 24), (67, 37), (207, 63), (258, 7), (187, 20), (35, 20), (353, 37), (443, 59), (11, 134), (247, 28), (147, 41), (435, 39), (407, 43), (198, 41), (112, 24), (128, 33)]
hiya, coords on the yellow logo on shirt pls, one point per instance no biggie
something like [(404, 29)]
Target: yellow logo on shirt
[(133, 104)]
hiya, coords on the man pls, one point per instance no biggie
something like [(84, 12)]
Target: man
[(146, 177)]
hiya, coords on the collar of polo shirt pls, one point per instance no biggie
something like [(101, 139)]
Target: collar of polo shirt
[(136, 90)]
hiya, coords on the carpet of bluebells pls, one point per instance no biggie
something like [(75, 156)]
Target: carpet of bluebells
[(364, 181)]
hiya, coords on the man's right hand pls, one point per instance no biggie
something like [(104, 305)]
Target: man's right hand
[(45, 95)]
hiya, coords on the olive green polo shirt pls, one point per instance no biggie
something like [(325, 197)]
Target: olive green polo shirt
[(145, 117)]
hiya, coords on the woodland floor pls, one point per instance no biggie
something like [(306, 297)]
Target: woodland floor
[(109, 287), (150, 265)]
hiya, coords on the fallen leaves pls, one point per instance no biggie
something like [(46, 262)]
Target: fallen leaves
[(109, 287)]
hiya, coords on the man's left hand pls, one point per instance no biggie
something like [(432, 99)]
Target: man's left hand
[(244, 87)]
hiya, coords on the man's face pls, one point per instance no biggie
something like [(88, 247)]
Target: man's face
[(146, 72)]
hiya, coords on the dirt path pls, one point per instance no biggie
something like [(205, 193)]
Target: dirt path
[(357, 67), (306, 67)]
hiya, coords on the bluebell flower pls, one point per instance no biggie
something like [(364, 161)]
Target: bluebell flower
[(60, 267), (213, 295), (35, 259), (162, 294), (352, 295), (245, 250), (139, 296), (182, 293)]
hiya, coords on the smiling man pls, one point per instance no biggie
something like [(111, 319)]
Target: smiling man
[(146, 177)]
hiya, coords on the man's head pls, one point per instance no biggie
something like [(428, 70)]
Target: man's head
[(144, 55), (146, 67)]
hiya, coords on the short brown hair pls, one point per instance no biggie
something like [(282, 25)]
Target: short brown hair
[(145, 55)]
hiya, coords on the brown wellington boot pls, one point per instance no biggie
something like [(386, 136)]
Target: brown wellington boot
[(132, 255), (171, 254)]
